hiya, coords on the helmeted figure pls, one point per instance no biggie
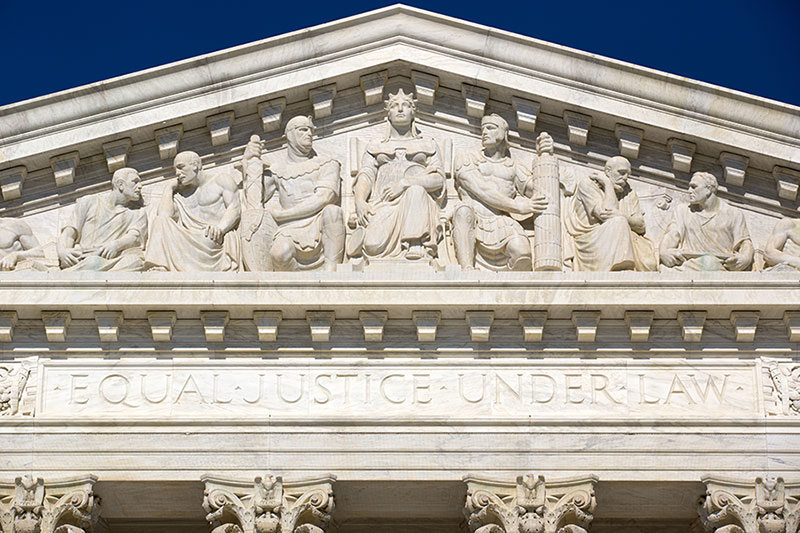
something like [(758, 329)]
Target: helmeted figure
[(306, 230), (491, 186), (399, 189)]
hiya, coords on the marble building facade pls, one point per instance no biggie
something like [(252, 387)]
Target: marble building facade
[(405, 272)]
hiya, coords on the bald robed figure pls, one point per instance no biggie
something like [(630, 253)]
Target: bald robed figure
[(193, 230)]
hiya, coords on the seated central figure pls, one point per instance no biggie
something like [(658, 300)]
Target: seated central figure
[(400, 187)]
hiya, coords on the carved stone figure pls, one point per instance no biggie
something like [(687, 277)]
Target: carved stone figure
[(268, 505), (399, 189), (491, 186), (107, 231), (308, 227), (707, 234), (193, 230), (782, 251), (785, 383), (767, 506), (530, 505), (19, 247), (606, 222), (13, 381), (68, 506)]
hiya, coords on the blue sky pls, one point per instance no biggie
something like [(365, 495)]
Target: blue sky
[(751, 46)]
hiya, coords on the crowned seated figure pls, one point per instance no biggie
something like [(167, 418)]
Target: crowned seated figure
[(399, 189)]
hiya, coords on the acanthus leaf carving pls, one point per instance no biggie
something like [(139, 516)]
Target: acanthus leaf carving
[(530, 505), (767, 505), (32, 506), (268, 505)]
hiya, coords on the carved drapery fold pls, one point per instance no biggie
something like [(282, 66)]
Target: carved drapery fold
[(268, 505), (530, 505), (30, 505), (768, 505)]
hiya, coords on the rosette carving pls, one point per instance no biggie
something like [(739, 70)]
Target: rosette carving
[(33, 506), (769, 505), (530, 505), (268, 505)]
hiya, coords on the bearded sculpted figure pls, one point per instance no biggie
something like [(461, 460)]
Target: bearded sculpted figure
[(492, 186), (193, 230), (107, 232), (782, 252), (399, 190), (606, 222), (707, 234), (307, 228)]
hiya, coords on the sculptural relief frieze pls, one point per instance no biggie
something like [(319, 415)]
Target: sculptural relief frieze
[(16, 380), (290, 208)]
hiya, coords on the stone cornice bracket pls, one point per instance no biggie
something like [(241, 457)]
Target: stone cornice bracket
[(586, 324), (322, 100), (476, 98), (11, 180), (639, 323), (425, 86), (373, 323), (786, 182), (692, 323), (161, 324), (108, 324), (578, 126), (527, 111), (630, 139), (64, 167), (372, 85), (530, 505), (268, 504), (320, 324), (116, 153), (219, 126), (745, 324), (56, 324), (734, 167), (480, 325), (271, 113), (167, 140), (792, 321), (532, 325), (426, 322), (682, 154), (768, 505), (267, 323), (68, 506), (214, 323), (8, 321)]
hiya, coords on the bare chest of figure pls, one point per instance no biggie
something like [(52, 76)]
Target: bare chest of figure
[(499, 175), (206, 202)]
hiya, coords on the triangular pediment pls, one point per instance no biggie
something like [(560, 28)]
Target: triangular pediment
[(60, 147)]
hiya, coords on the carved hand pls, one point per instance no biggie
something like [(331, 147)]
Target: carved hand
[(9, 261), (394, 191), (539, 204), (602, 180), (363, 212), (672, 257), (253, 148), (214, 233), (736, 262), (544, 144), (110, 250), (68, 256), (605, 214)]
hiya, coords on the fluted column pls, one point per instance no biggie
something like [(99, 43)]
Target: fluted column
[(66, 506), (530, 505), (268, 504), (768, 505)]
